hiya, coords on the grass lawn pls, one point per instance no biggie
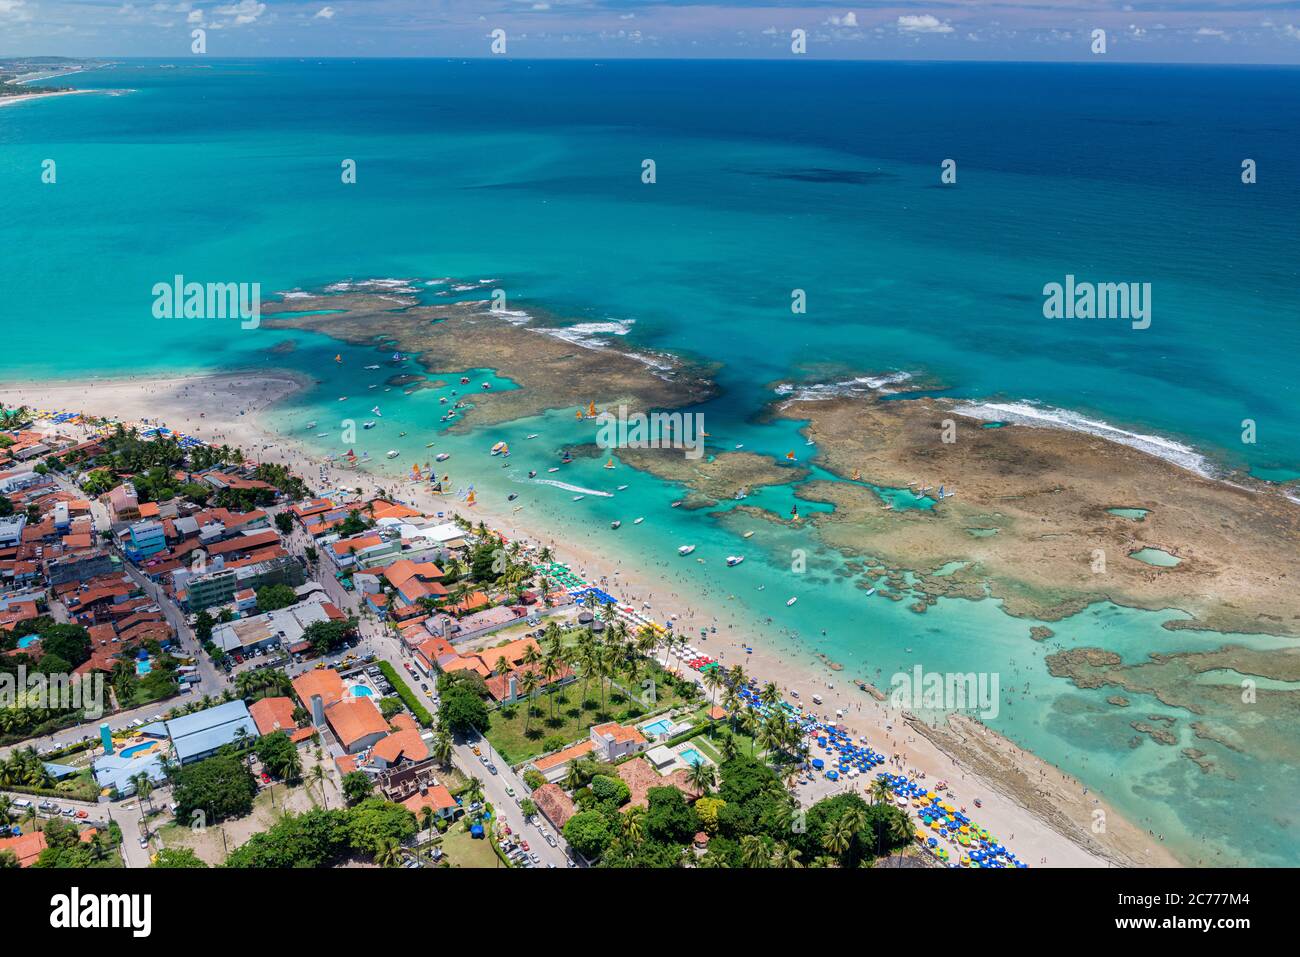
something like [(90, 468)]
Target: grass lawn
[(573, 719), (464, 851)]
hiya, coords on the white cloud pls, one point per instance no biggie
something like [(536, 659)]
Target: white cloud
[(849, 19), (196, 16), (1210, 32), (324, 13), (244, 12), (924, 23), (1292, 31)]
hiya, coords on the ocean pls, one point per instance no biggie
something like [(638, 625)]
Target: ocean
[(769, 177)]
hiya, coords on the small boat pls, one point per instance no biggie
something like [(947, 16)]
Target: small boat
[(789, 456), (579, 498), (442, 456), (888, 508), (532, 473), (609, 464), (685, 549), (553, 468), (566, 459), (516, 508), (499, 448), (677, 503), (749, 535), (342, 398), (637, 521), (791, 602), (428, 445), (512, 496), (620, 488), (401, 435), (734, 560), (338, 358), (393, 453), (532, 435), (870, 592), (371, 368), (321, 435), (367, 425), (487, 385), (615, 524), (311, 425), (375, 386), (464, 380), (376, 411)]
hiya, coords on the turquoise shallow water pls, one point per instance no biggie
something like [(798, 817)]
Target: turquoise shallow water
[(823, 178)]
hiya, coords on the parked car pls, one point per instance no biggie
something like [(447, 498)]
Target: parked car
[(492, 768), (534, 858), (524, 845), (551, 840)]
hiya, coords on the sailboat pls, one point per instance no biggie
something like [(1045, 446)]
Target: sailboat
[(591, 410), (609, 464), (470, 499), (338, 357), (789, 456)]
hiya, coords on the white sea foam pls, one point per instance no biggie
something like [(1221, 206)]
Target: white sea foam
[(573, 488), (589, 334), (295, 294), (384, 285), (1028, 413), (861, 385)]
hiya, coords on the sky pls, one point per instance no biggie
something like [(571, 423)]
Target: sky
[(1196, 31)]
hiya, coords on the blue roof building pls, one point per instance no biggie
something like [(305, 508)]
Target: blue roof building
[(198, 736)]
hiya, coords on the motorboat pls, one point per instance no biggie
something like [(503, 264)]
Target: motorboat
[(685, 549), (734, 560)]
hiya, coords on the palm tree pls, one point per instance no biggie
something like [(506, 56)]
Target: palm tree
[(389, 853), (318, 776), (427, 818), (702, 777), (900, 832), (754, 852), (440, 748), (713, 681), (879, 791), (839, 836), (633, 825), (574, 778), (750, 724), (785, 856), (528, 684)]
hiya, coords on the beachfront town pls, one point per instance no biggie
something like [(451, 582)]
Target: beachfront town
[(205, 662)]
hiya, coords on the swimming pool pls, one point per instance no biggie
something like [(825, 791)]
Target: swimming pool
[(28, 640), (662, 726), (138, 749), (143, 667), (361, 691), (691, 756)]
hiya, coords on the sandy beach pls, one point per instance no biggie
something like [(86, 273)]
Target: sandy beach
[(23, 98), (1045, 816)]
